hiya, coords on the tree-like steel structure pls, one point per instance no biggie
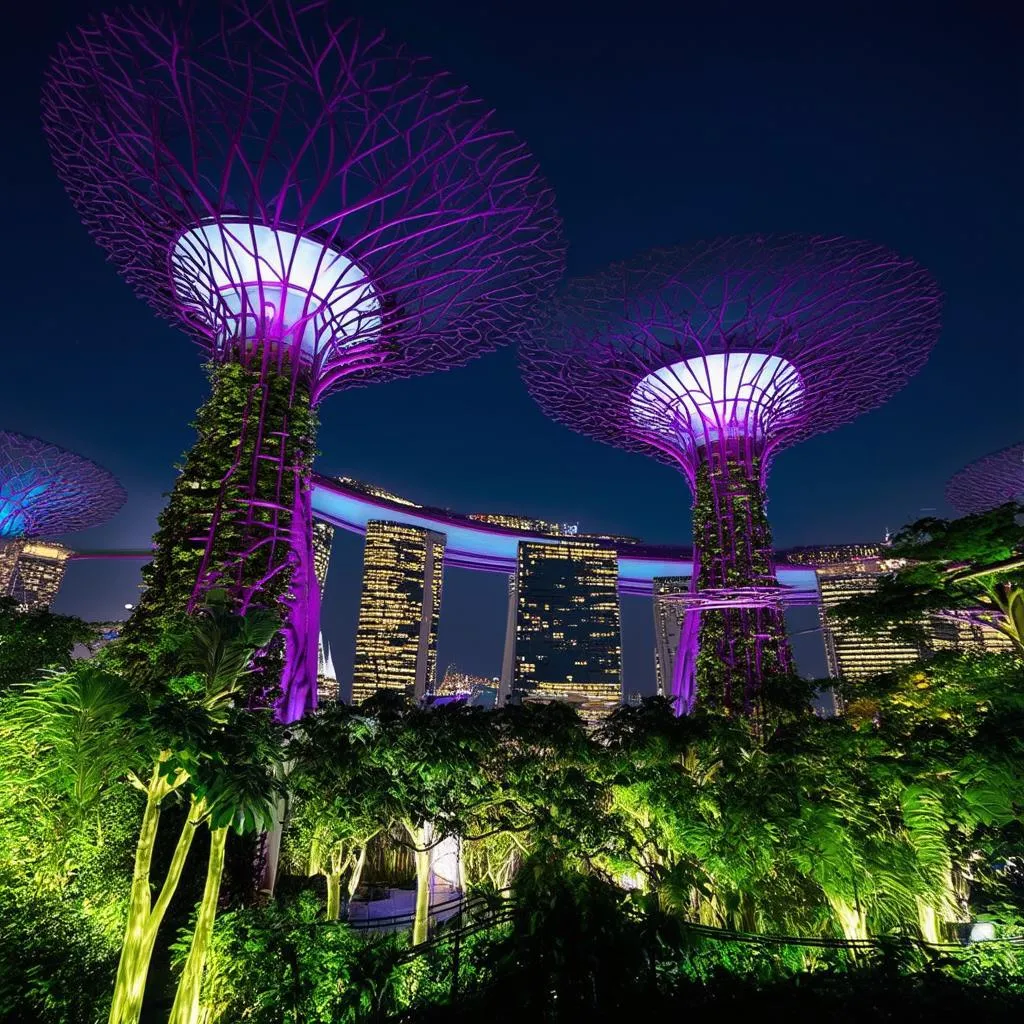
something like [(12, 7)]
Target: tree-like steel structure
[(989, 482), (319, 209), (713, 358), (47, 491)]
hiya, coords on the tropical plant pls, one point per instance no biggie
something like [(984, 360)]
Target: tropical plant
[(35, 639)]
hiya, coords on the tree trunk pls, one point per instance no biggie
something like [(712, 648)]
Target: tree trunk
[(421, 921), (851, 919), (928, 922), (186, 1000), (333, 895), (357, 872), (271, 843), (145, 916), (463, 880)]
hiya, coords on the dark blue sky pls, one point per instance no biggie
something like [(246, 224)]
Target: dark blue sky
[(656, 123)]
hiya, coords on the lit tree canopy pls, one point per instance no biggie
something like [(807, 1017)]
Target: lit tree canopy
[(282, 175), (47, 491), (991, 481)]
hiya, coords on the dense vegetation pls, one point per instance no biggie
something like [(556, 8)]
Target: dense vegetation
[(807, 865)]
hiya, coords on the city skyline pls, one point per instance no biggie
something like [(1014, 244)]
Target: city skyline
[(865, 175)]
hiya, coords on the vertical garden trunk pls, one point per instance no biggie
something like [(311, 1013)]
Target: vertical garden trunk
[(144, 915), (186, 1001), (740, 648), (237, 520)]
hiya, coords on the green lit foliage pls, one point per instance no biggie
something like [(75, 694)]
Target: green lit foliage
[(230, 463), (282, 962), (973, 566), (31, 641), (66, 842), (340, 799)]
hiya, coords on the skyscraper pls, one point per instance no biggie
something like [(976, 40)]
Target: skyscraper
[(31, 571), (326, 677), (323, 537), (948, 634), (668, 621), (568, 642), (854, 654), (396, 639)]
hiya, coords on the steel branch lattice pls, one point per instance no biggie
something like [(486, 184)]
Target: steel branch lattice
[(715, 357), (306, 199), (991, 481), (47, 491)]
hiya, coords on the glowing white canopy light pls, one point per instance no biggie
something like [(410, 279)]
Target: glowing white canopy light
[(249, 280), (727, 394)]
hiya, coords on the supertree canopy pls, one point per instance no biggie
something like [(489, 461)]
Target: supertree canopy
[(319, 209), (47, 491), (713, 358), (991, 481)]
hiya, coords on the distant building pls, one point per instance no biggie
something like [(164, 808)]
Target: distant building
[(462, 684), (396, 638), (373, 491), (323, 538), (508, 660), (512, 522), (326, 677), (947, 634), (31, 571), (854, 654), (668, 623), (568, 643)]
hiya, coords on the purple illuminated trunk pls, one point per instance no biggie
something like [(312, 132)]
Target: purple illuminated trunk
[(727, 655)]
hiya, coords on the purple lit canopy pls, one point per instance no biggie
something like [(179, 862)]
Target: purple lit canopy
[(989, 482), (758, 340), (713, 357), (47, 491), (287, 183)]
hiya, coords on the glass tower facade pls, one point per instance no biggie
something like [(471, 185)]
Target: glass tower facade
[(399, 611), (323, 538), (854, 654), (568, 643), (31, 571), (668, 622)]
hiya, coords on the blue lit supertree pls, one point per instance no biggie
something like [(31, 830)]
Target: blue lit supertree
[(47, 491)]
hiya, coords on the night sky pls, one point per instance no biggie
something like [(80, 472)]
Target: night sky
[(655, 124)]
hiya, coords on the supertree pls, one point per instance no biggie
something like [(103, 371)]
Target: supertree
[(712, 358), (990, 481), (47, 491), (319, 209)]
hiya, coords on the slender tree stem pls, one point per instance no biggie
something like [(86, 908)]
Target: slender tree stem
[(145, 916), (186, 1000)]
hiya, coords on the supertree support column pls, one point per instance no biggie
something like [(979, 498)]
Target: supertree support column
[(713, 358), (993, 480), (46, 492), (732, 541), (319, 209)]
